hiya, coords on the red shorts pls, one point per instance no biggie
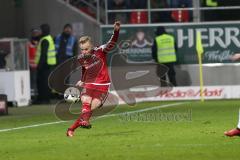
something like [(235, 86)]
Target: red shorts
[(96, 91)]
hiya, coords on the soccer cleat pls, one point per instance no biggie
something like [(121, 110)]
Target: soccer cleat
[(232, 132), (85, 124), (70, 133)]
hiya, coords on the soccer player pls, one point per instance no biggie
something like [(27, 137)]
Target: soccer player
[(95, 92), (235, 131)]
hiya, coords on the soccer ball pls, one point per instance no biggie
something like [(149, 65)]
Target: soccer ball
[(71, 98), (72, 95)]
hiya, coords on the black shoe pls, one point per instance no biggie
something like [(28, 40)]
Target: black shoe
[(85, 124), (87, 127)]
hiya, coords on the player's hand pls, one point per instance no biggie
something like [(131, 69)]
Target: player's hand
[(79, 83), (235, 57), (116, 26)]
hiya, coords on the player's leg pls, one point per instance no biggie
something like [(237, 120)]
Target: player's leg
[(96, 100), (171, 74), (99, 97), (86, 111), (96, 103), (88, 106), (88, 94), (83, 119), (91, 99), (235, 131)]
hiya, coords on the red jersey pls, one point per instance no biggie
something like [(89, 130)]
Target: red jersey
[(95, 70)]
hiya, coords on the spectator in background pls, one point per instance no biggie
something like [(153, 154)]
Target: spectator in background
[(138, 16), (164, 52), (2, 59), (3, 54), (45, 60), (181, 15), (66, 44), (32, 50), (162, 16), (115, 5)]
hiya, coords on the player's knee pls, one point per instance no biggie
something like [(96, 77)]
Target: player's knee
[(86, 99), (95, 104)]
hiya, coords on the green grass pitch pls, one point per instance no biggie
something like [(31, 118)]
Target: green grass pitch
[(153, 134)]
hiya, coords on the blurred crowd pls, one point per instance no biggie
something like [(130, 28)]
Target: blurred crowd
[(156, 16), (136, 17)]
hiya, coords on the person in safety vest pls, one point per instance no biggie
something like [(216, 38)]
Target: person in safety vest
[(164, 53), (45, 60), (66, 44)]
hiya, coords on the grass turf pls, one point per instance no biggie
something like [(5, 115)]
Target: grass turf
[(146, 135)]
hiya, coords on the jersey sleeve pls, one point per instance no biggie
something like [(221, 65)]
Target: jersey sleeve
[(111, 43), (83, 78), (80, 59)]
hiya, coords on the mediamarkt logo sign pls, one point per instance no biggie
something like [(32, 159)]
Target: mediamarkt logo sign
[(191, 93), (176, 93)]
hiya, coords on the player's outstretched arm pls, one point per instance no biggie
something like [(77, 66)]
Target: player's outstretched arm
[(113, 40), (117, 26), (235, 57)]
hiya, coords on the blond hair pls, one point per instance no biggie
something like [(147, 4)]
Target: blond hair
[(85, 39)]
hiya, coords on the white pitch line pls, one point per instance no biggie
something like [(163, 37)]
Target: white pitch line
[(104, 116), (141, 110), (31, 126)]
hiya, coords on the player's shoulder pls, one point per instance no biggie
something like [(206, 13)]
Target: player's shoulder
[(99, 48)]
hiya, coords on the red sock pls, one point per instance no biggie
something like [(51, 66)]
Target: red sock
[(86, 112), (84, 116), (75, 125)]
